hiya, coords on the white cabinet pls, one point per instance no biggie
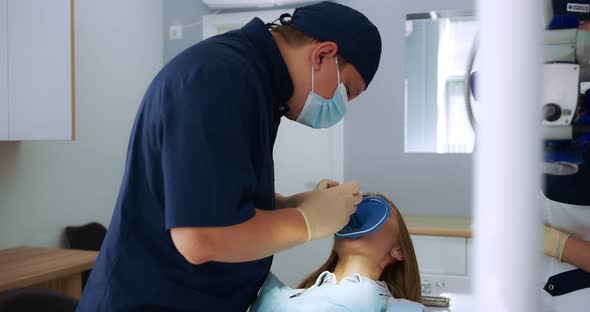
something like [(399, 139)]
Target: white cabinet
[(441, 255), (36, 64), (470, 260), (443, 263)]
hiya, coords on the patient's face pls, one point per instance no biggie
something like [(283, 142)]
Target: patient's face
[(376, 245)]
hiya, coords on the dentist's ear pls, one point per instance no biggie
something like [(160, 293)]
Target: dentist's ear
[(323, 51), (397, 254)]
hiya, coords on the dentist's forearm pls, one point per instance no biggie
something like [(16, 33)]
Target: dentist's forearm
[(267, 233)]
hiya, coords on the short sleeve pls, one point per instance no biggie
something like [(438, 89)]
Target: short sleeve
[(207, 166)]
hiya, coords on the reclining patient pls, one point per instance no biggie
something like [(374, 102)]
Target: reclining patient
[(372, 267)]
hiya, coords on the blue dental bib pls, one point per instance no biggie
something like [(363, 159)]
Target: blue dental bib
[(370, 215)]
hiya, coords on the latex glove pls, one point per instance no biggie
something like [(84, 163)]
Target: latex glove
[(326, 211), (326, 184), (554, 242), (294, 201)]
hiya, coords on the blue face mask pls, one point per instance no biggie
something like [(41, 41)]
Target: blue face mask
[(321, 113)]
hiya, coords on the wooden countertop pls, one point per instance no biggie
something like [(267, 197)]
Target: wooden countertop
[(27, 266), (438, 226)]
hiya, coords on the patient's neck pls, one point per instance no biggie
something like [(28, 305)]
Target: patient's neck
[(351, 264)]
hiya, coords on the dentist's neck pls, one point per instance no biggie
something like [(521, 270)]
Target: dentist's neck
[(351, 264)]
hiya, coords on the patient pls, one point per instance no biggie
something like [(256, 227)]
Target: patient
[(375, 272)]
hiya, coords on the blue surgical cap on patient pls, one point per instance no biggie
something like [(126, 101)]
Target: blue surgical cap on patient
[(357, 38), (369, 217)]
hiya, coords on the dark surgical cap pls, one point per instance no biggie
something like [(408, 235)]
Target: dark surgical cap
[(358, 39)]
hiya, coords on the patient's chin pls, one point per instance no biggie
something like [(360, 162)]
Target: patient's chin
[(349, 241), (371, 246), (361, 245)]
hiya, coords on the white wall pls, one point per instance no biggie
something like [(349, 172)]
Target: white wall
[(182, 12), (45, 186), (430, 184)]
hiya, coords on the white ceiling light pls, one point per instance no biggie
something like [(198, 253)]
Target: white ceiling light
[(244, 4)]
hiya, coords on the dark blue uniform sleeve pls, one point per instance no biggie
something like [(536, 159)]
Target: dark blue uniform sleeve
[(209, 177)]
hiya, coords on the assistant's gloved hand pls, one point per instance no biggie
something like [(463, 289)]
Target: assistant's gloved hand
[(328, 210), (554, 242)]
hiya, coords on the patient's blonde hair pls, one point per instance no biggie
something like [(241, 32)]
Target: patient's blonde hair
[(402, 277)]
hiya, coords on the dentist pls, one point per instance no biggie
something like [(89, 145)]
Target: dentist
[(197, 219)]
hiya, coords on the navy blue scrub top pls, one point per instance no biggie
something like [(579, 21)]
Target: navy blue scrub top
[(200, 154)]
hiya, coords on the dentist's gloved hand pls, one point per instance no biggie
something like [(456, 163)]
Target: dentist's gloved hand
[(326, 184), (328, 210), (554, 242), (295, 200)]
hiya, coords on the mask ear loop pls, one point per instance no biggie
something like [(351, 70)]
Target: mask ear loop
[(338, 70), (312, 77), (313, 74)]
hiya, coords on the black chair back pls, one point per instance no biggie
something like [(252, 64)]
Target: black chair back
[(86, 237), (36, 300)]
